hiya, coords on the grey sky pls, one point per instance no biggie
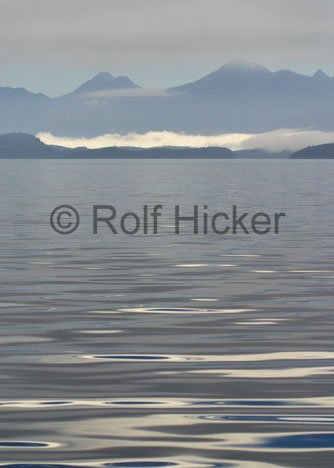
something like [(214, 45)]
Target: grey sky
[(54, 45)]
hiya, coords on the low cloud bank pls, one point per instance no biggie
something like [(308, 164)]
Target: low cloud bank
[(97, 96), (276, 140)]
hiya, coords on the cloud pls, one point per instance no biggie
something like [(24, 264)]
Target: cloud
[(276, 140), (288, 139), (127, 93)]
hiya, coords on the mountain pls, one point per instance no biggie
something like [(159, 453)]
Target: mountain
[(21, 110), (104, 81), (245, 97), (315, 152), (20, 94), (233, 75), (320, 75), (25, 146), (238, 97)]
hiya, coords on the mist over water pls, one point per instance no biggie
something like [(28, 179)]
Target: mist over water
[(162, 351)]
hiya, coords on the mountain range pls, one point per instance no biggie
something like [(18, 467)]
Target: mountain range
[(238, 97)]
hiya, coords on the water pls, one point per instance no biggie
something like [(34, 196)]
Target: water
[(162, 351)]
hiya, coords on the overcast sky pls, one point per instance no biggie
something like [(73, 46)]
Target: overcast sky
[(54, 45)]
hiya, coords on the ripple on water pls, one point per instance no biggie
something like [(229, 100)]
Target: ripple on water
[(33, 404), (161, 464), (131, 357), (282, 442), (155, 358), (140, 464), (100, 332), (241, 255), (185, 310), (120, 464), (308, 442), (265, 419), (25, 444), (43, 465), (325, 402), (286, 372)]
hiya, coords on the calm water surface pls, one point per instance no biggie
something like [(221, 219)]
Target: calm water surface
[(166, 351)]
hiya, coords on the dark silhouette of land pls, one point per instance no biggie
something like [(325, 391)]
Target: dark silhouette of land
[(24, 146), (315, 152)]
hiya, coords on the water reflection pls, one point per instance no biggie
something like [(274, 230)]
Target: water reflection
[(189, 351)]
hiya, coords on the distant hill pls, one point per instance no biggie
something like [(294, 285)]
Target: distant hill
[(238, 97), (20, 145), (23, 146), (156, 153), (315, 152)]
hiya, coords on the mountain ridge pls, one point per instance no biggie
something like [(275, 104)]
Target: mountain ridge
[(232, 66), (239, 97)]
